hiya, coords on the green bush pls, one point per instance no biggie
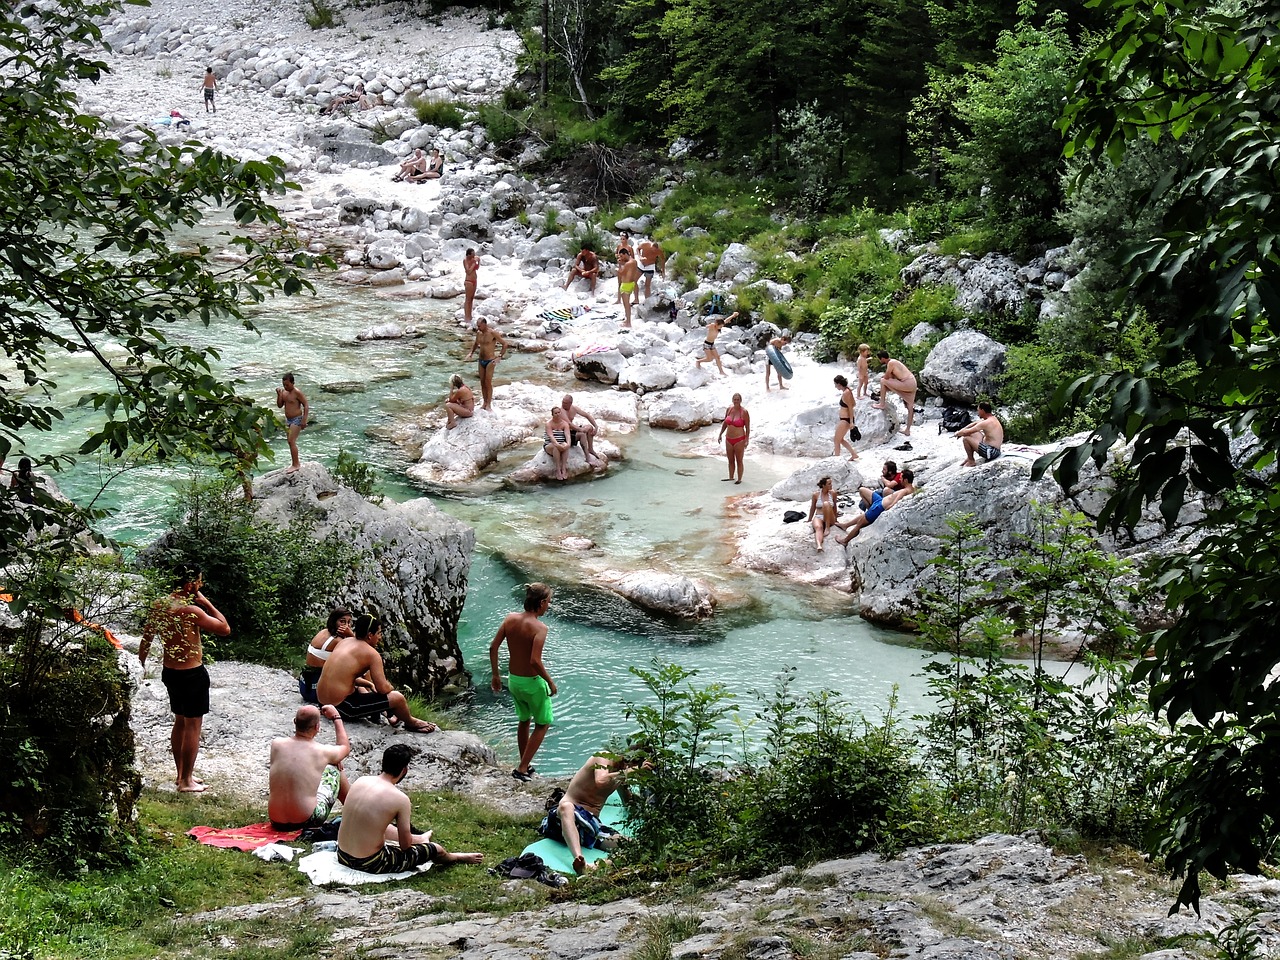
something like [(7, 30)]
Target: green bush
[(68, 789), (502, 126), (438, 113), (586, 235), (320, 14), (350, 471), (270, 582)]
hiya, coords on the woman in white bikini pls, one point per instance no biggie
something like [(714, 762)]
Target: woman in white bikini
[(337, 628), (823, 510)]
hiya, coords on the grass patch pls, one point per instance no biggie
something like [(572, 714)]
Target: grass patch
[(141, 910), (320, 14), (438, 113)]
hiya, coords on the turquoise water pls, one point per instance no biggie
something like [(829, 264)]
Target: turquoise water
[(664, 509)]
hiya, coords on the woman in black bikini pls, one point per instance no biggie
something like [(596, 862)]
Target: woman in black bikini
[(735, 430), (845, 423)]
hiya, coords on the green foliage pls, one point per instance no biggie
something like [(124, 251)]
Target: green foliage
[(1008, 163), (438, 113), (822, 784), (68, 787), (320, 14), (350, 471), (1210, 79), (813, 141), (1014, 746), (586, 236), (502, 125), (269, 582), (89, 260)]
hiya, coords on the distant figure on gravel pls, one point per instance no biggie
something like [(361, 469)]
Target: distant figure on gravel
[(875, 503), (735, 430), (470, 279), (557, 442), (984, 437), (583, 434), (845, 425), (209, 86), (709, 351), (585, 265), (296, 413), (487, 342), (350, 660), (461, 403), (176, 622), (377, 814), (531, 686), (576, 820), (902, 382), (628, 279), (435, 165), (306, 778), (650, 257)]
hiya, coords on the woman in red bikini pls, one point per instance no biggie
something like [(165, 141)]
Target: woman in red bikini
[(735, 430)]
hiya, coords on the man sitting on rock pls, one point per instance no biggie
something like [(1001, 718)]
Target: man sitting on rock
[(306, 777), (353, 658), (875, 502), (576, 820), (582, 433), (376, 814), (983, 437)]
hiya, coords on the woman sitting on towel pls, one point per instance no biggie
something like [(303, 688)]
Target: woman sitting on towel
[(557, 442)]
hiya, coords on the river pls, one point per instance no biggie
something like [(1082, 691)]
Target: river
[(661, 503)]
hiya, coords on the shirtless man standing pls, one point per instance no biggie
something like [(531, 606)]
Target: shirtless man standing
[(585, 265), (984, 437), (902, 382), (584, 434), (470, 269), (176, 623), (487, 342), (209, 85), (306, 777), (628, 281), (709, 351), (353, 658), (580, 807), (650, 257), (376, 813), (296, 413), (531, 686)]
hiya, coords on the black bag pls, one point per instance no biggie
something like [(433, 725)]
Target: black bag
[(791, 516), (954, 418), (854, 434)]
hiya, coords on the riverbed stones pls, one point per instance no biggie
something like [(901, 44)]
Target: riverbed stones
[(666, 593), (411, 568)]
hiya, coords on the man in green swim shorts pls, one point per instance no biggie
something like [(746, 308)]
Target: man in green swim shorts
[(531, 686), (628, 276)]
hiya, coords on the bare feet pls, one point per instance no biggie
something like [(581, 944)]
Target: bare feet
[(192, 787), (579, 864), (968, 463), (291, 470), (464, 858), (877, 406), (421, 726), (854, 457)]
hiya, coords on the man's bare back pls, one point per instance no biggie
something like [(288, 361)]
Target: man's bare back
[(525, 636), (177, 624), (372, 805), (297, 764), (350, 659), (594, 783)]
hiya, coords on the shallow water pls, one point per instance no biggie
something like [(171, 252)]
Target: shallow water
[(664, 508)]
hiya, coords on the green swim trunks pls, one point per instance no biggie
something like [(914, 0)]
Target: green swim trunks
[(533, 699)]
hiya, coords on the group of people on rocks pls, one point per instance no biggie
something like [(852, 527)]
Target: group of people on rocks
[(343, 680), (419, 168), (636, 263)]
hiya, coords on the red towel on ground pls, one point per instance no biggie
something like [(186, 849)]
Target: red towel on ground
[(248, 838)]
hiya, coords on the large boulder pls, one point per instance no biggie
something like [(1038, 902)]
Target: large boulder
[(667, 593), (682, 409), (963, 367), (412, 570), (458, 455), (603, 366), (646, 374), (737, 263)]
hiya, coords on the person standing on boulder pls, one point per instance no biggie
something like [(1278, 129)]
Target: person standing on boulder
[(651, 258), (470, 271), (487, 342), (531, 686), (209, 86), (176, 622), (628, 281), (296, 413)]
